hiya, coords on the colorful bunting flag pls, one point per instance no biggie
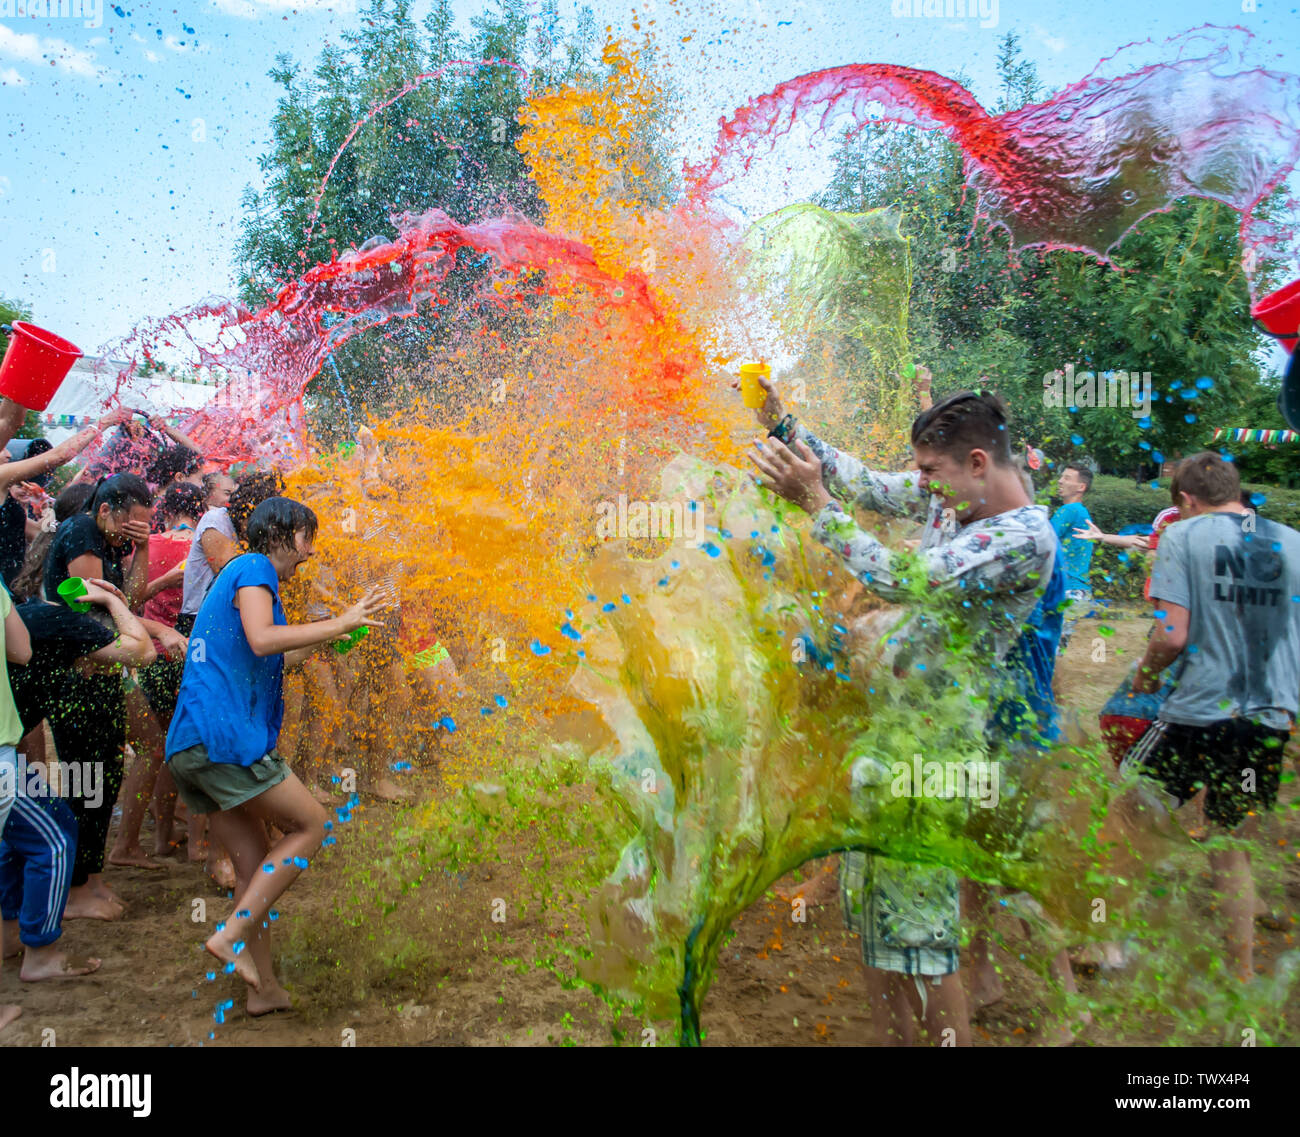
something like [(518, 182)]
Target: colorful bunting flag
[(1240, 434)]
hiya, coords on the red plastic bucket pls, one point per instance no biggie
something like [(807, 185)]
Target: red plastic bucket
[(1279, 313), (35, 363)]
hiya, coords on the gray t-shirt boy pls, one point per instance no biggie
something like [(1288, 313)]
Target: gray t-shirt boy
[(1242, 591)]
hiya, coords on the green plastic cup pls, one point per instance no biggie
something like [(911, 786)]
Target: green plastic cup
[(354, 637), (71, 590)]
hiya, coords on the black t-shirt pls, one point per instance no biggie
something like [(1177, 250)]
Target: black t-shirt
[(86, 712), (13, 538), (76, 536)]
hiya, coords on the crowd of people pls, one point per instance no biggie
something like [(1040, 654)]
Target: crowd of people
[(142, 615), (1224, 585)]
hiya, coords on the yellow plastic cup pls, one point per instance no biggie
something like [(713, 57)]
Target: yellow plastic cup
[(751, 394)]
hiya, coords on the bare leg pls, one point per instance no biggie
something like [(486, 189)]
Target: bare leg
[(1236, 890), (146, 739), (892, 1020), (986, 986), (242, 830), (165, 840), (945, 1010)]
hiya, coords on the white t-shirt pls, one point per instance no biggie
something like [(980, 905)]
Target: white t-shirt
[(198, 573)]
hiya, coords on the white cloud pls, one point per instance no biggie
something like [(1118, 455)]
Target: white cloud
[(35, 49), (5, 183), (152, 56), (9, 77), (251, 9), (1053, 43)]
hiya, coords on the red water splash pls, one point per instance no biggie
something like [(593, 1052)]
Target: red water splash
[(1081, 169), (275, 352), (1077, 171)]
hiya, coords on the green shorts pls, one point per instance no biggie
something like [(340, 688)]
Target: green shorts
[(207, 787)]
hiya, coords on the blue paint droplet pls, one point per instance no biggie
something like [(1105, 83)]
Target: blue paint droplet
[(1077, 439), (710, 548), (1205, 383), (328, 825), (567, 630), (1145, 423), (502, 701), (604, 608), (1189, 418), (1144, 445), (1156, 456)]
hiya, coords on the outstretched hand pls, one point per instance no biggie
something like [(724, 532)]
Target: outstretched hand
[(795, 475), (364, 613)]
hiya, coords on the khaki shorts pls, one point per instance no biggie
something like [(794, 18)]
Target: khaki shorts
[(208, 787)]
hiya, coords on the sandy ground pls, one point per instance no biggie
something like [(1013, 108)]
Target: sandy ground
[(778, 982)]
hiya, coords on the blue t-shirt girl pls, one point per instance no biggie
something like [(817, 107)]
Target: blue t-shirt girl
[(230, 699)]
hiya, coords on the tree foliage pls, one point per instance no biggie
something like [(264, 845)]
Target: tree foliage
[(448, 143), (1174, 305)]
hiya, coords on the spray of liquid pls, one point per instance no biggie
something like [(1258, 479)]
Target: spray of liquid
[(699, 707)]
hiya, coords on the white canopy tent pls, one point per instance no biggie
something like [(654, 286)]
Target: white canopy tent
[(83, 397)]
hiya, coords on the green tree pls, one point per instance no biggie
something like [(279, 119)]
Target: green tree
[(448, 143), (1175, 304)]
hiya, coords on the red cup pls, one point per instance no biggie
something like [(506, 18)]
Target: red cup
[(35, 363), (1279, 313)]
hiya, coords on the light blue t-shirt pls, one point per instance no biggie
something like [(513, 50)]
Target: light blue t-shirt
[(1078, 553), (230, 699)]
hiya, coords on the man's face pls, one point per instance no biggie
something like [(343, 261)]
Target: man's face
[(1069, 484), (219, 498), (958, 483)]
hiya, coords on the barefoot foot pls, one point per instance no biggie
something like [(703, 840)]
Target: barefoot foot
[(222, 874), (133, 858), (220, 945), (267, 1000), (8, 1012), (41, 964), (88, 906)]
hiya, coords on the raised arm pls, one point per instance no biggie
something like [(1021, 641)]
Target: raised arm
[(266, 637), (28, 468)]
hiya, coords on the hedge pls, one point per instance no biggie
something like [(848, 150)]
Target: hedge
[(1119, 574)]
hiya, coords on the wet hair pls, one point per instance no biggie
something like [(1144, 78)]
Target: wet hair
[(182, 500), (1085, 475), (1207, 477), (28, 580), (276, 521), (210, 481), (121, 491), (253, 489), (171, 463), (964, 422), (73, 500), (35, 447)]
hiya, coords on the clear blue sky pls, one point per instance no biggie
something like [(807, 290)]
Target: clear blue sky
[(128, 145)]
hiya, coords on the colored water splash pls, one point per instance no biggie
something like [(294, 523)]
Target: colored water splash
[(1079, 170), (584, 356)]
